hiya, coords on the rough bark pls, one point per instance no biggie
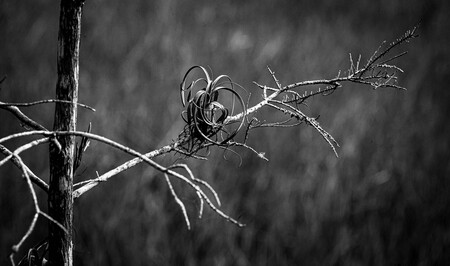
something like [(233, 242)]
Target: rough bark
[(60, 200)]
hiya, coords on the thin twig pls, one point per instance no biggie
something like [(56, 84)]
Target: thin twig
[(15, 248), (24, 148), (34, 178), (27, 122), (178, 201), (46, 101)]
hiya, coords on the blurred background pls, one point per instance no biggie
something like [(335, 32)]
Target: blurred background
[(384, 201)]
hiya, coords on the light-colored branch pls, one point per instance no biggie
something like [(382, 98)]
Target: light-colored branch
[(179, 202), (355, 75), (200, 181), (27, 122), (24, 148), (160, 168), (15, 248), (123, 167), (288, 105), (46, 101), (34, 178)]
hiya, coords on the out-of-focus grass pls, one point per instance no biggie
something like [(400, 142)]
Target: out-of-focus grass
[(384, 201)]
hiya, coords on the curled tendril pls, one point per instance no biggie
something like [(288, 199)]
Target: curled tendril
[(208, 103)]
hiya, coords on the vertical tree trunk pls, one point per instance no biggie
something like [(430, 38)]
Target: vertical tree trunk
[(60, 201)]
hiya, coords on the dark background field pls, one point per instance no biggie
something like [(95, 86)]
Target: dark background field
[(384, 201)]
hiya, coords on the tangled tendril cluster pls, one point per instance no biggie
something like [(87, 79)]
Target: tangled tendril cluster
[(208, 103)]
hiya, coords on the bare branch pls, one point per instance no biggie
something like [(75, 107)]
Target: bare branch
[(34, 178), (179, 202), (24, 148), (202, 182), (27, 122), (125, 166), (261, 155), (288, 104), (135, 153), (378, 72), (46, 101), (15, 248)]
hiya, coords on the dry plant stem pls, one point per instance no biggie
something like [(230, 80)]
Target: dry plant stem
[(16, 247), (166, 170), (374, 73), (46, 101), (125, 166), (201, 182), (355, 75), (34, 178), (23, 148), (178, 201), (332, 82), (89, 184), (27, 122)]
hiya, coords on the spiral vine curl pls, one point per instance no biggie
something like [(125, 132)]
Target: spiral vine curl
[(209, 102)]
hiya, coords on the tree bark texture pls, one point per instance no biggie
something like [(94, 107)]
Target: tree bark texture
[(60, 200)]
